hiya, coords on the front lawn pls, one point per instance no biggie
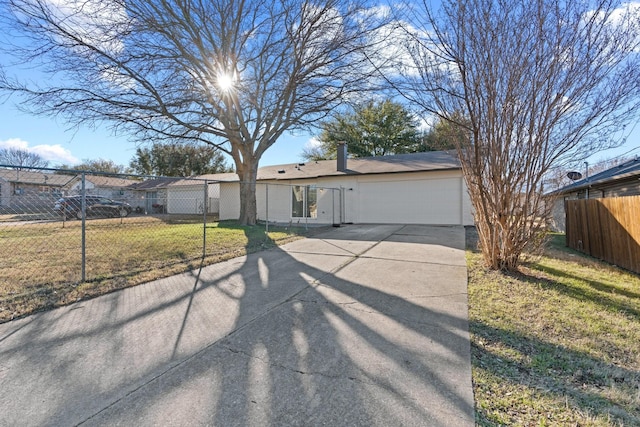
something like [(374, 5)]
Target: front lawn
[(557, 344), (41, 263)]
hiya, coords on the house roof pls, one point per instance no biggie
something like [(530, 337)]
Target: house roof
[(414, 162), (110, 181), (153, 184), (620, 172), (35, 178), (200, 179)]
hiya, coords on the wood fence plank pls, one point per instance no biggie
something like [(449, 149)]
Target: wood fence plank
[(608, 229)]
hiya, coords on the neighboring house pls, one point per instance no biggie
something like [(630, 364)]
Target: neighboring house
[(187, 195), (176, 195), (150, 195), (30, 190), (112, 187), (620, 180), (419, 188)]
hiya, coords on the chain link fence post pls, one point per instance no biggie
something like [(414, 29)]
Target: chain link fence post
[(83, 208), (204, 220), (267, 208)]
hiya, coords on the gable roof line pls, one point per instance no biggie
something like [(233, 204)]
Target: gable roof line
[(35, 178), (619, 172), (393, 164)]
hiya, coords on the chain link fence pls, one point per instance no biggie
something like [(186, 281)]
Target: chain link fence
[(66, 235)]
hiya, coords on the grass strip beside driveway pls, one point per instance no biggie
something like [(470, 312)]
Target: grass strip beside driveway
[(557, 344)]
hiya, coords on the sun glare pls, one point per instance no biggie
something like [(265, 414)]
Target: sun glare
[(225, 82)]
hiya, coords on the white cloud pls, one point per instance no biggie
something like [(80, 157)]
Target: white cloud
[(15, 143), (397, 47), (623, 18), (313, 142), (95, 22), (55, 154)]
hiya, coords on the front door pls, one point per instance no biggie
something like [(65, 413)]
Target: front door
[(151, 199)]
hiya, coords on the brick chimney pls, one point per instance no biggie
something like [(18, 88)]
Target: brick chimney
[(342, 156)]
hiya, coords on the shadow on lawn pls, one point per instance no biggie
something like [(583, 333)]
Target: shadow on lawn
[(553, 371), (597, 291), (522, 365)]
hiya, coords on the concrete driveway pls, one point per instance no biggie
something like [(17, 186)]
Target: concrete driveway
[(357, 326)]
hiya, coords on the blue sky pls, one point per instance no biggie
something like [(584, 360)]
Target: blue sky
[(51, 139)]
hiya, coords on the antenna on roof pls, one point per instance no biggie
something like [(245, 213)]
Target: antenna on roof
[(574, 176)]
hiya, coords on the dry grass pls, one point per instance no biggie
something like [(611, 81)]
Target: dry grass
[(556, 344), (41, 263)]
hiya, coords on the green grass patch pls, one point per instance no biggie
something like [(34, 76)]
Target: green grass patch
[(556, 344), (41, 263)]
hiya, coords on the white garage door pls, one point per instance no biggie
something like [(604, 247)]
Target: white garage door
[(435, 201), (185, 201)]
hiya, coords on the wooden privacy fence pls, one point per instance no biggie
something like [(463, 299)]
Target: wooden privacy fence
[(608, 229)]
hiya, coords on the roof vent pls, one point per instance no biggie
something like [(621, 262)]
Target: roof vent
[(300, 164), (281, 171)]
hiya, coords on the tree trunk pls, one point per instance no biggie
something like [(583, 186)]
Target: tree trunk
[(248, 206), (501, 250)]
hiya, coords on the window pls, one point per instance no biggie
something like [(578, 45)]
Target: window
[(304, 201)]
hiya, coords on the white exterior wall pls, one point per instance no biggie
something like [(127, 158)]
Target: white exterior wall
[(185, 200), (432, 201), (189, 199), (467, 208), (77, 187), (5, 194), (349, 207), (436, 198), (280, 202), (115, 193), (229, 200)]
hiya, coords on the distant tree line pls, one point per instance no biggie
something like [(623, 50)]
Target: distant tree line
[(178, 159), (162, 159), (21, 159)]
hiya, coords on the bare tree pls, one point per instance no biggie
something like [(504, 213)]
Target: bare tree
[(537, 82), (21, 159), (235, 74)]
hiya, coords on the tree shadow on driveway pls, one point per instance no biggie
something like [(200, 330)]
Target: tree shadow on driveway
[(287, 336)]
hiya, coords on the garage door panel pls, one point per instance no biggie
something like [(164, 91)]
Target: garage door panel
[(185, 201), (429, 201)]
